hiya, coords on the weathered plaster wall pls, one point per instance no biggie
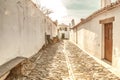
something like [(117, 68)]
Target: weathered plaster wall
[(22, 29), (71, 35), (54, 30), (90, 37)]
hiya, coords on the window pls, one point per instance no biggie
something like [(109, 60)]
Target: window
[(65, 29)]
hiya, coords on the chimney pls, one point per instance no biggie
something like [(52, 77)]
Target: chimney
[(56, 22), (82, 19), (104, 3), (73, 22)]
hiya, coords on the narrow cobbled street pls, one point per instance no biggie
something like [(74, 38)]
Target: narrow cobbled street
[(65, 61)]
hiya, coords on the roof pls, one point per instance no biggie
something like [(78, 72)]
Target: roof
[(63, 25), (98, 12)]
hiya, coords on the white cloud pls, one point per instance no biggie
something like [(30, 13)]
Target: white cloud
[(65, 10), (78, 9)]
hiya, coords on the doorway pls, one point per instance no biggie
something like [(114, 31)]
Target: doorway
[(63, 36), (108, 28)]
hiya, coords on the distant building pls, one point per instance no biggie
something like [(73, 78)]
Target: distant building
[(63, 31)]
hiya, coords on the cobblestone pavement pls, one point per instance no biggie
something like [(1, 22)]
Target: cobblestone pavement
[(65, 61), (51, 65), (84, 67)]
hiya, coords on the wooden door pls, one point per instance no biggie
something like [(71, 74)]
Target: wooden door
[(108, 42)]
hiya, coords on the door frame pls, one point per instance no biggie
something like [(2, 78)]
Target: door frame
[(103, 22), (111, 41), (63, 36)]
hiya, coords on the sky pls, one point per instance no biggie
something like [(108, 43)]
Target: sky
[(66, 10)]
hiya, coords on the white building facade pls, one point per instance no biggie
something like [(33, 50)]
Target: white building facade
[(63, 31), (98, 35)]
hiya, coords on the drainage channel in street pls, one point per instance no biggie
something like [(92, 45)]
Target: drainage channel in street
[(66, 52)]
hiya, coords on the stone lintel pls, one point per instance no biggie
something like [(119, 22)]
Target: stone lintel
[(107, 20)]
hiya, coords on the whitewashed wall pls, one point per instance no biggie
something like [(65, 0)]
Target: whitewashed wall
[(54, 30), (51, 28), (22, 29), (90, 37), (73, 35)]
